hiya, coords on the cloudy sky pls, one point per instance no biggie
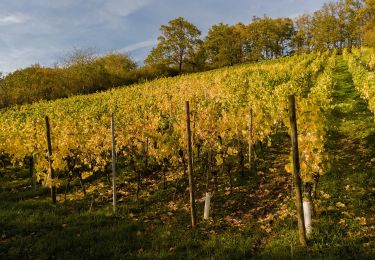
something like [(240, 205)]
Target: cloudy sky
[(42, 31)]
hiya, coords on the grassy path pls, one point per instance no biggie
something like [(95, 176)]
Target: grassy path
[(346, 222)]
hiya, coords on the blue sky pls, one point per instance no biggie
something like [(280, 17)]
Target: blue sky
[(42, 31)]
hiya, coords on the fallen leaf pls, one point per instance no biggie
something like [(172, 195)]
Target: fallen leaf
[(361, 220)]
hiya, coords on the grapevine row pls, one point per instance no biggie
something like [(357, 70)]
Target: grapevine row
[(364, 79)]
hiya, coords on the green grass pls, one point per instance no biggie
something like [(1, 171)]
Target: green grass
[(31, 227), (245, 223)]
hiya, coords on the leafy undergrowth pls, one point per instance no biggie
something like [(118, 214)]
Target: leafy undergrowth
[(254, 220)]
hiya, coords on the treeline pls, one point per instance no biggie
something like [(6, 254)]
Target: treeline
[(81, 73), (181, 49), (341, 24)]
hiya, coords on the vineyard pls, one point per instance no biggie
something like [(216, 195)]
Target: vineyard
[(150, 132), (241, 156)]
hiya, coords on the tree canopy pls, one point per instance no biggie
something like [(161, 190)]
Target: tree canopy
[(177, 45), (222, 46)]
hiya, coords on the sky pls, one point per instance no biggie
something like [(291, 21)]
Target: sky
[(43, 31)]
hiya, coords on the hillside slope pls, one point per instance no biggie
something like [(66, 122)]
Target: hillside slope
[(251, 220)]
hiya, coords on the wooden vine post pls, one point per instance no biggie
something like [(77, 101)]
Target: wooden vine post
[(33, 158), (296, 170), (251, 141), (190, 166), (51, 175), (113, 163)]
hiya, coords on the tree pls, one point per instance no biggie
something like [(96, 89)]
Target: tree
[(368, 18), (349, 18), (78, 57), (242, 33), (336, 24), (223, 46), (324, 29), (269, 38), (82, 74), (301, 41), (284, 29), (116, 63), (177, 45), (197, 62), (117, 67)]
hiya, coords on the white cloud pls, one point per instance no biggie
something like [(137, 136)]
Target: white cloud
[(12, 19), (138, 45)]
